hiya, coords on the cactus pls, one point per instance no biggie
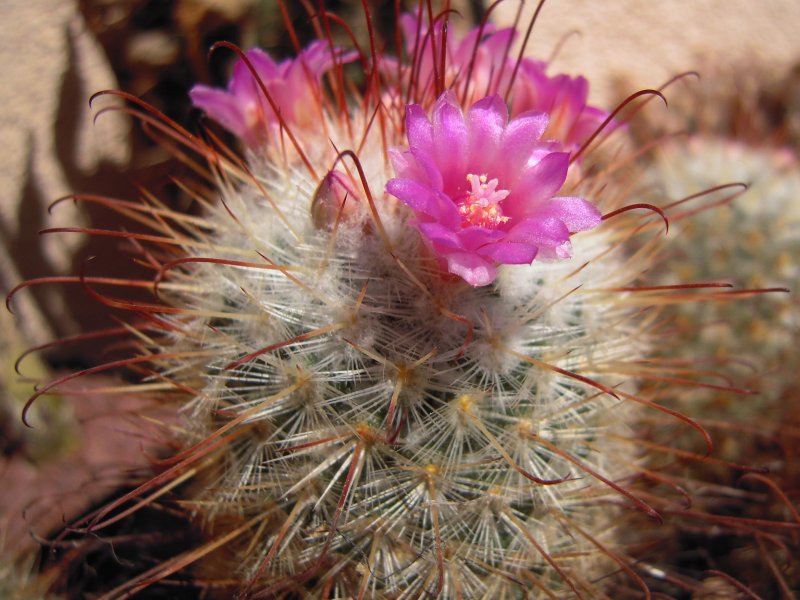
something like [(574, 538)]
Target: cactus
[(746, 237), (739, 119), (405, 336), (757, 232)]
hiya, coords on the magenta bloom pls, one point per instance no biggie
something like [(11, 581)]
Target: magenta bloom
[(483, 189), (564, 98), (488, 50), (293, 84)]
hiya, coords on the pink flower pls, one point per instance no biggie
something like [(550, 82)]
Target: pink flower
[(483, 189), (293, 84), (564, 98), (572, 120), (489, 53)]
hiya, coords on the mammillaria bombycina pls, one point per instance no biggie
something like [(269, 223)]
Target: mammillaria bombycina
[(352, 419)]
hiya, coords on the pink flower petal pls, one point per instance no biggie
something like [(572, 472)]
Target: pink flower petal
[(474, 238), (563, 97), (486, 119), (406, 166), (316, 58), (467, 45), (423, 200), (496, 45), (548, 232), (430, 167), (510, 253), (293, 85), (588, 122), (521, 135), (443, 237), (537, 185), (418, 128), (473, 269), (266, 68), (220, 106), (450, 138), (576, 213)]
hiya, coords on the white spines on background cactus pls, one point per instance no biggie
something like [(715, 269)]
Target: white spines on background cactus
[(754, 237)]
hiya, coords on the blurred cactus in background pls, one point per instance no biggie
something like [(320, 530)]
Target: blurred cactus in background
[(742, 130), (753, 240)]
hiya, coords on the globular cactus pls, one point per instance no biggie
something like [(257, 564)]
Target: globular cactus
[(405, 336), (740, 164), (751, 239), (744, 233), (740, 120)]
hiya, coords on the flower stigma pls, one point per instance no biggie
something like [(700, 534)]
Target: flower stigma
[(481, 207)]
